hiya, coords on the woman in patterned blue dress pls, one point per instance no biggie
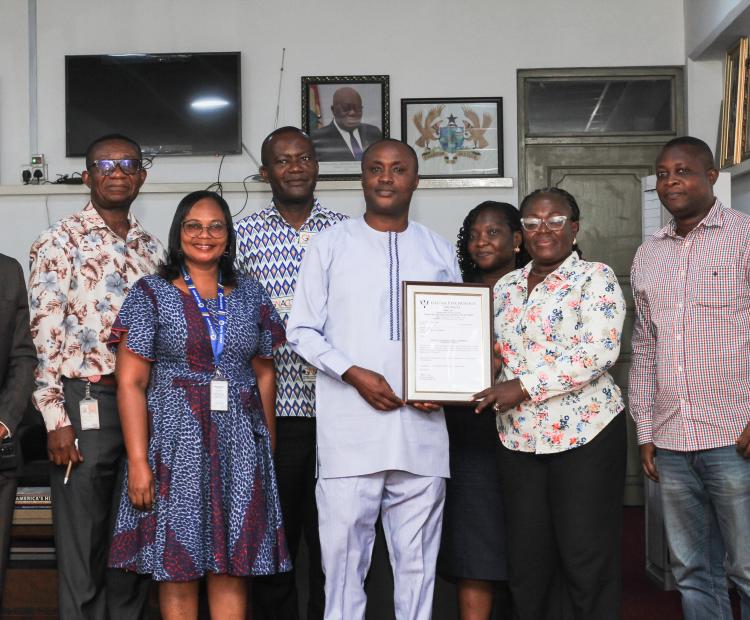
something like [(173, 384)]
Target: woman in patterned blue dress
[(200, 495)]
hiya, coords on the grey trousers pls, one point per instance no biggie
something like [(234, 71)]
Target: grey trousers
[(84, 511)]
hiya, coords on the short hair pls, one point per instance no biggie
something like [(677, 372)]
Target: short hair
[(110, 137), (266, 145), (567, 197), (555, 191), (694, 144), (170, 269), (469, 269), (381, 141)]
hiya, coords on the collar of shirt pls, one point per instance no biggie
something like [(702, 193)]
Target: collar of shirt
[(714, 217), (272, 213), (91, 220), (563, 271), (347, 135)]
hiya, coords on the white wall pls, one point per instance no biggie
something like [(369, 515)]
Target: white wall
[(704, 84), (14, 89), (428, 47), (705, 17)]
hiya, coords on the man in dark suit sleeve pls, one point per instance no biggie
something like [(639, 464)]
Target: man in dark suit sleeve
[(17, 362), (346, 137)]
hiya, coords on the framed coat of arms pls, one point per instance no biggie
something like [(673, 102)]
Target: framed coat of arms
[(459, 137)]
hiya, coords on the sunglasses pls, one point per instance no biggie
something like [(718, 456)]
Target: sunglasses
[(554, 223), (128, 166)]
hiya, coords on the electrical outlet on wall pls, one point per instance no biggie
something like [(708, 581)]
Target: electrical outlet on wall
[(38, 168)]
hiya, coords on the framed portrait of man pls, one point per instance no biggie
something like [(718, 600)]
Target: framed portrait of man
[(344, 114)]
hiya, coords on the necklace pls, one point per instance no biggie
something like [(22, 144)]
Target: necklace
[(534, 272)]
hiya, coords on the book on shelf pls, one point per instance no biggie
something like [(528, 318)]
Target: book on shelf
[(31, 550), (32, 515), (33, 496)]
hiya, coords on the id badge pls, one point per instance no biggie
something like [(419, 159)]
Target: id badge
[(309, 373), (219, 394), (305, 237), (89, 409)]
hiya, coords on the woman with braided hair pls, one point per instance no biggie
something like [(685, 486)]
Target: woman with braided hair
[(472, 551)]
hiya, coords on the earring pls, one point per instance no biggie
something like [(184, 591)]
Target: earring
[(517, 249), (575, 242)]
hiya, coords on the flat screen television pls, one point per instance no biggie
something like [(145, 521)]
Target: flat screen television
[(172, 104)]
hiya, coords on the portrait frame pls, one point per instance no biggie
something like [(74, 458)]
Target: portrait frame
[(733, 108), (334, 156), (449, 138), (447, 341)]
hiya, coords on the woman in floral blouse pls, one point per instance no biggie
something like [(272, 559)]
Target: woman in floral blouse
[(560, 419)]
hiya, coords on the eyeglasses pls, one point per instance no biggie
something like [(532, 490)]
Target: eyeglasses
[(194, 228), (534, 224), (128, 166)]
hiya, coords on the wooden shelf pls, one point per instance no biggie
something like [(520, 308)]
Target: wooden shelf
[(253, 187), (738, 170)]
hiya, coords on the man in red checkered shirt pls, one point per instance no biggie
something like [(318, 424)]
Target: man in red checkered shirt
[(690, 379)]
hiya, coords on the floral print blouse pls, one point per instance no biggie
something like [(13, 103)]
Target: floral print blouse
[(81, 272), (559, 341)]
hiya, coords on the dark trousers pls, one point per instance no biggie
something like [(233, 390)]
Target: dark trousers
[(84, 511), (8, 483), (563, 516), (275, 596)]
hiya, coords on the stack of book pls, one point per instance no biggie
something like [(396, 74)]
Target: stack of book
[(33, 506), (31, 536)]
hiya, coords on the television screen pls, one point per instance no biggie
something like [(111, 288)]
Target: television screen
[(177, 104)]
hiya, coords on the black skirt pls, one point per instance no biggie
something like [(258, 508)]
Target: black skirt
[(473, 539)]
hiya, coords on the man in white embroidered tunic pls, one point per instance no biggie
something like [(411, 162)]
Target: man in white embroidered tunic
[(81, 270), (375, 454)]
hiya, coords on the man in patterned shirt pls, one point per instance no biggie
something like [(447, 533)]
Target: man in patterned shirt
[(81, 271), (270, 247), (690, 379)]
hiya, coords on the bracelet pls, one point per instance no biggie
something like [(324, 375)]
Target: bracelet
[(524, 390)]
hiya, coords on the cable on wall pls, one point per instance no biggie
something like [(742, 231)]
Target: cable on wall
[(278, 96), (216, 186)]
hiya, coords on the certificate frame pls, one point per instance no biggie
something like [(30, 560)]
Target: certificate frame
[(419, 378)]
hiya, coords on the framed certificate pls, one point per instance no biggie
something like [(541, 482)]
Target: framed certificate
[(447, 341)]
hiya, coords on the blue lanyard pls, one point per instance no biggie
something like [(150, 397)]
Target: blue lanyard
[(217, 340)]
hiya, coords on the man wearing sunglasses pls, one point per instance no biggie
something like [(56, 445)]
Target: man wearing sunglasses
[(81, 271)]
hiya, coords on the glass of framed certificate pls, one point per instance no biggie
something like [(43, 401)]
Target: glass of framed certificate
[(447, 341)]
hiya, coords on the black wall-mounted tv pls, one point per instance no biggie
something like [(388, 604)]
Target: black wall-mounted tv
[(175, 104)]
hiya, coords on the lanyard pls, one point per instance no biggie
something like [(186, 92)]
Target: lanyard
[(217, 339)]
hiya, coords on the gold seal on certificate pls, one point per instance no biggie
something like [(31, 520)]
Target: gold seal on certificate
[(447, 341)]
